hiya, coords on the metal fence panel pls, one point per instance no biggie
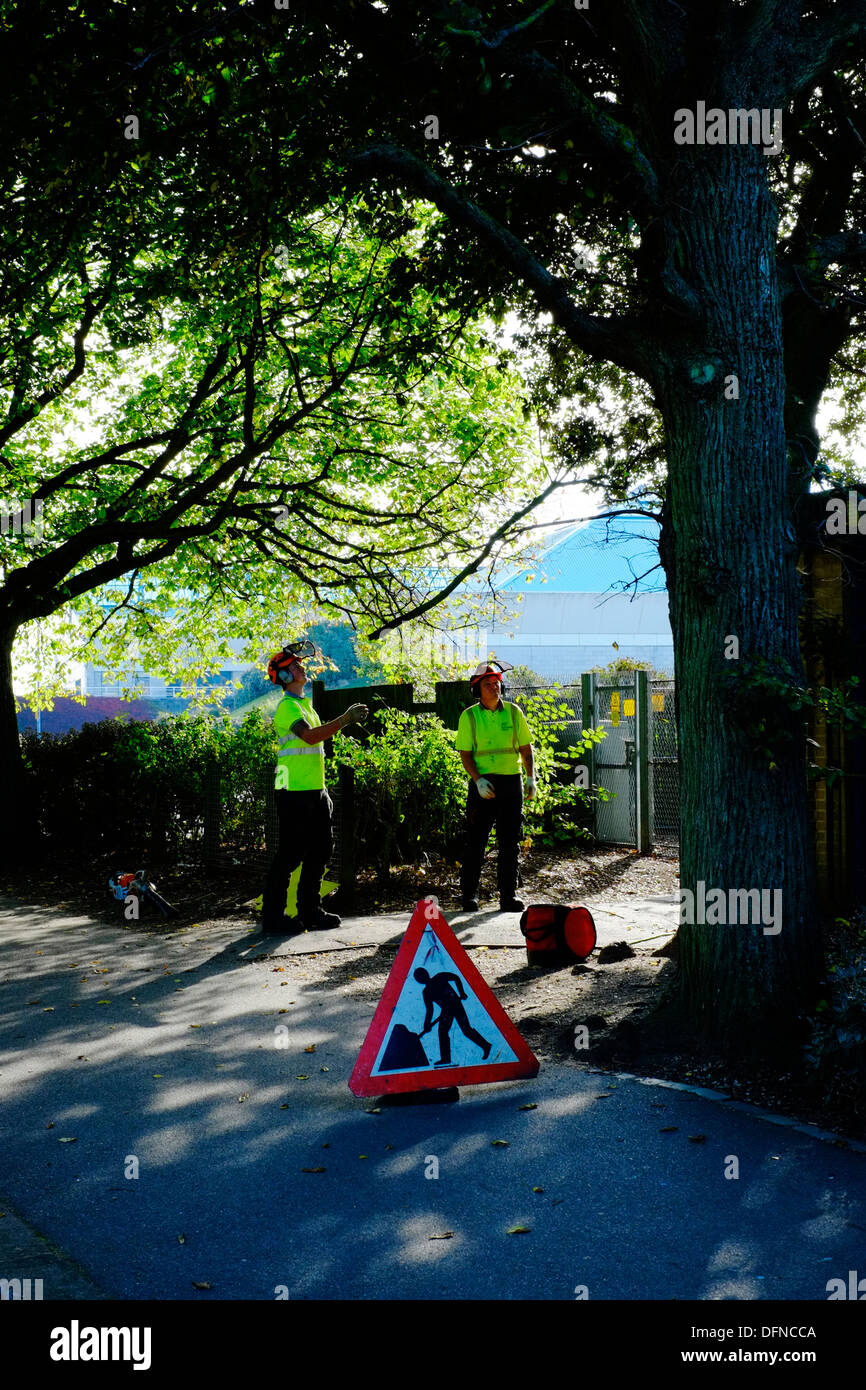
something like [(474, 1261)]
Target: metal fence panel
[(664, 764), (615, 761)]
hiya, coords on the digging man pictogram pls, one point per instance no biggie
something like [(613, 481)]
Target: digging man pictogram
[(439, 990)]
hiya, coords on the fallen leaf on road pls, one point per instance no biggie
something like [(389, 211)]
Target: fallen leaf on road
[(312, 1170), (443, 1235), (195, 1025), (499, 1143), (49, 1009), (311, 1048), (201, 1286), (103, 1001), (531, 1106), (69, 1141), (181, 1240), (284, 1107), (538, 1189), (377, 1110), (603, 1095), (697, 1138), (245, 1096), (518, 1230), (50, 1126), (157, 1076), (302, 1077)]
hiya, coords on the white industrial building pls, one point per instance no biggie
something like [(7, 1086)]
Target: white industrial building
[(596, 593)]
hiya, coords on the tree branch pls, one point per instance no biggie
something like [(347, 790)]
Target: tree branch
[(498, 535), (817, 49), (92, 308), (503, 34), (617, 338), (615, 140), (841, 249)]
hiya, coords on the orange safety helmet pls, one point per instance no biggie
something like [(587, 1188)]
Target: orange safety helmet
[(291, 652), (489, 668)]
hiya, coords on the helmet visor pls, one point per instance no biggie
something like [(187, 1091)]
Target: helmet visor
[(300, 650)]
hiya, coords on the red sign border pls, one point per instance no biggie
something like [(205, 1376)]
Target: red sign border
[(361, 1083)]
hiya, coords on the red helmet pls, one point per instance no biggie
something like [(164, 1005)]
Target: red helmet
[(489, 668), (291, 652)]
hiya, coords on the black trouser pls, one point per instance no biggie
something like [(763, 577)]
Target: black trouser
[(306, 838), (505, 810)]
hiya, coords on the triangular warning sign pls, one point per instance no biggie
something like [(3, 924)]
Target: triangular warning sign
[(438, 1022)]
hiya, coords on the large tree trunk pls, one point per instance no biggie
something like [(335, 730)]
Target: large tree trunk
[(730, 554), (16, 828)]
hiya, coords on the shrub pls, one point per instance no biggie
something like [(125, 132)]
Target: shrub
[(837, 1046), (561, 809), (410, 789), (121, 787)]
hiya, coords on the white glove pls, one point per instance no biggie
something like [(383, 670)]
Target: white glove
[(530, 789), (354, 714), (485, 788)]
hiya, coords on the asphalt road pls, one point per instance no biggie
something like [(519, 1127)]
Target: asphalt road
[(155, 1132)]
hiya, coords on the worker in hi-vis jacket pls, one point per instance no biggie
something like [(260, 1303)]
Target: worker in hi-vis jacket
[(304, 807), (493, 738)]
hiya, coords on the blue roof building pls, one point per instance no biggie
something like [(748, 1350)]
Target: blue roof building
[(597, 593)]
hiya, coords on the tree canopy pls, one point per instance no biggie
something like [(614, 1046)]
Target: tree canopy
[(225, 404)]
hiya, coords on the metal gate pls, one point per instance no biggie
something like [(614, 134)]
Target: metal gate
[(637, 760)]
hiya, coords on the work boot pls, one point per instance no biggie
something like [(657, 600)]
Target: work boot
[(280, 926), (320, 920), (469, 905), (511, 905)]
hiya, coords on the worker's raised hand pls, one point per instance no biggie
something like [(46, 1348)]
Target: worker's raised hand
[(354, 714), (485, 788)]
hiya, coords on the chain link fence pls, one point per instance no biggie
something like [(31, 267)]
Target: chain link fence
[(664, 765)]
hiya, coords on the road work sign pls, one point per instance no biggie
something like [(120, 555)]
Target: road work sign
[(438, 1022)]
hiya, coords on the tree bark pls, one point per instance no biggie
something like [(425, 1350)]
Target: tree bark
[(730, 554), (17, 841)]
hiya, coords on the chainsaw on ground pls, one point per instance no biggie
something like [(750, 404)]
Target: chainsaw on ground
[(139, 884)]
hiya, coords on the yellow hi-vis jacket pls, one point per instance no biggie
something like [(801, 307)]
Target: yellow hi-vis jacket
[(493, 737), (300, 766)]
